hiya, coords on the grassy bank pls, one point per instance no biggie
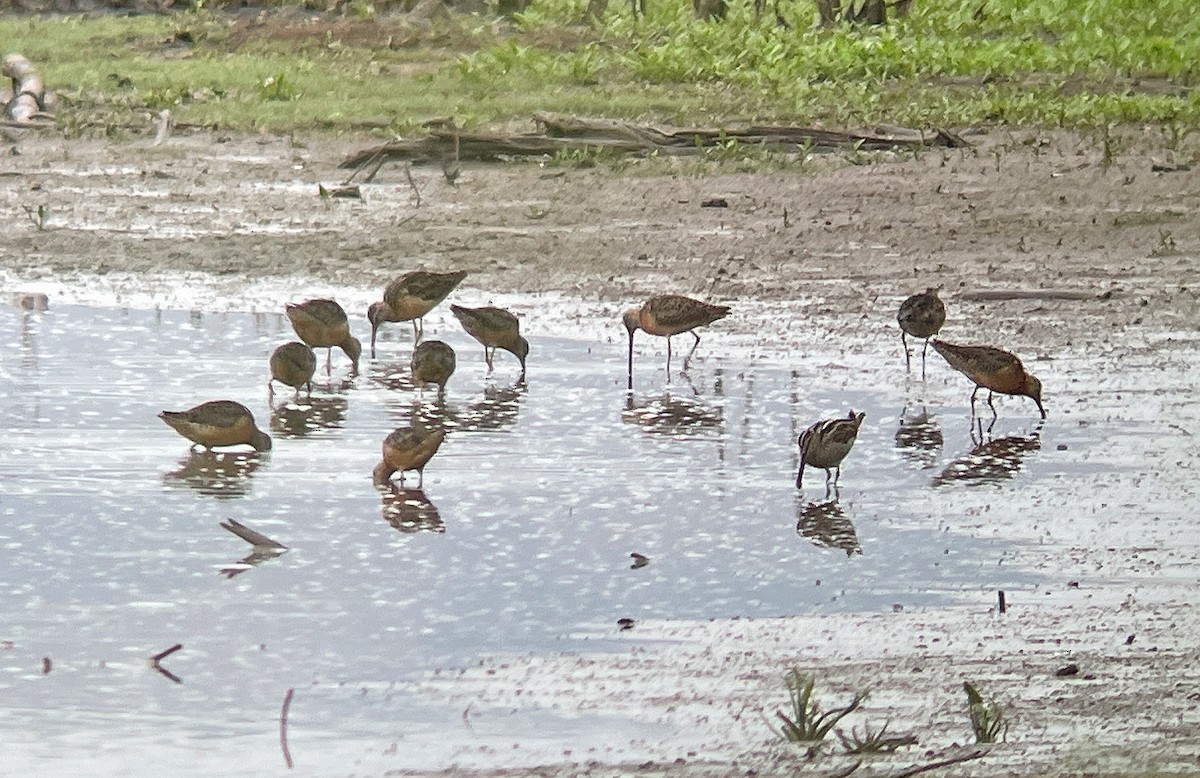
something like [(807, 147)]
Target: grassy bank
[(1075, 63)]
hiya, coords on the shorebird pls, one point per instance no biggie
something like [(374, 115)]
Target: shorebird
[(407, 448), (433, 363), (921, 316), (494, 328), (670, 314), (324, 324), (993, 369), (292, 364), (826, 443), (218, 423), (409, 298)]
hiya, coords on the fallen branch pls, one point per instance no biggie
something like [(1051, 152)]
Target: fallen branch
[(569, 133), (1030, 294), (287, 703), (939, 765)]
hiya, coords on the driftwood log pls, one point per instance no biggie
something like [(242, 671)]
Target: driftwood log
[(29, 98), (568, 133)]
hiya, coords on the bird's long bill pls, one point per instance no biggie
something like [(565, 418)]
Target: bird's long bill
[(630, 371), (800, 475)]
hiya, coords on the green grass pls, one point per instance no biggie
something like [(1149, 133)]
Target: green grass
[(1074, 63)]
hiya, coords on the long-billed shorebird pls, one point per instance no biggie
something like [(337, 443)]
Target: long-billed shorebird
[(670, 314), (826, 443), (407, 448), (292, 364), (218, 423), (409, 298), (433, 362), (494, 328), (921, 316), (993, 369), (324, 324)]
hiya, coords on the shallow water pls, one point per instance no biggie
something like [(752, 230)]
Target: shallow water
[(520, 540)]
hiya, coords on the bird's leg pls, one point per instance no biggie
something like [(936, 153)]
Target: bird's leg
[(973, 400), (837, 477), (329, 361), (420, 479), (993, 407), (907, 357), (488, 355), (416, 333), (668, 356), (270, 392), (309, 389), (923, 358)]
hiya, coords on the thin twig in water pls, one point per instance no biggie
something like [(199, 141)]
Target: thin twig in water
[(154, 662), (287, 702), (938, 765), (374, 162), (412, 183)]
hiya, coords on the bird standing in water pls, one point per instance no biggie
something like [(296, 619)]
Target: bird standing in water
[(494, 328), (323, 324), (667, 315), (993, 369), (292, 364), (218, 423), (826, 443), (409, 298), (921, 316), (407, 448), (433, 362)]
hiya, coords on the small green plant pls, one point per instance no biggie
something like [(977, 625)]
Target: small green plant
[(987, 717), (278, 87), (807, 723), (873, 741)]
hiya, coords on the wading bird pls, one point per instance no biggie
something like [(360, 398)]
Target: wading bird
[(826, 443), (921, 316), (292, 364), (409, 298), (494, 328), (407, 448), (218, 423), (993, 369), (324, 324), (667, 315), (433, 362)]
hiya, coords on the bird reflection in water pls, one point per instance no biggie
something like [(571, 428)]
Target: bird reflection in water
[(221, 474), (410, 510), (919, 436), (991, 460), (496, 411), (670, 415), (302, 417), (825, 524)]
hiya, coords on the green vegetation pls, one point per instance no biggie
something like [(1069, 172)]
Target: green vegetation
[(1077, 63), (987, 717), (806, 723)]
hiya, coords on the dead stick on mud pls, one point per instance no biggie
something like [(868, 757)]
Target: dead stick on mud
[(938, 765), (412, 183), (845, 772), (287, 703)]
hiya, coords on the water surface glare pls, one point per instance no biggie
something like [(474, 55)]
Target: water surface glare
[(519, 542)]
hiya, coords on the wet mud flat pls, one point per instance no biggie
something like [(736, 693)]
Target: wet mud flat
[(473, 625)]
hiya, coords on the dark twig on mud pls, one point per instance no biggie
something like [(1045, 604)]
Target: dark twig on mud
[(287, 703), (161, 655), (984, 295), (939, 765), (845, 772), (412, 183)]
